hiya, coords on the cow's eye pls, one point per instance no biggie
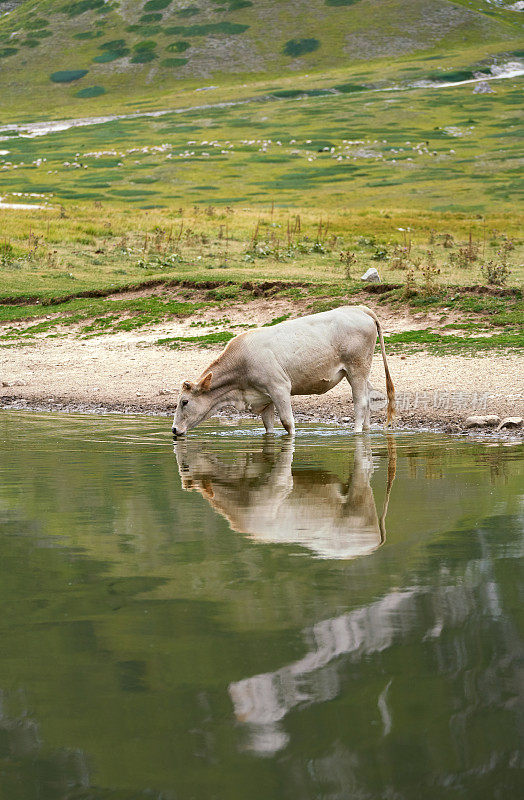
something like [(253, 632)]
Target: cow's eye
[(184, 403)]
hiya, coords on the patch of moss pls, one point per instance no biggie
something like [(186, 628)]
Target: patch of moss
[(148, 44), (173, 62), (33, 24), (111, 55), (178, 47), (189, 11), (91, 91), (68, 75), (299, 47), (81, 6), (207, 29), (349, 88), (156, 5), (114, 44)]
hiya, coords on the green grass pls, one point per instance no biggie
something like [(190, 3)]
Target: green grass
[(438, 344), (203, 340)]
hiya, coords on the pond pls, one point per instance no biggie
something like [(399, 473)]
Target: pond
[(237, 616)]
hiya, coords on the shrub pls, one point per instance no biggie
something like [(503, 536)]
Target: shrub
[(298, 47), (68, 75), (91, 91), (5, 52), (178, 47), (341, 2), (150, 17), (496, 273), (31, 43)]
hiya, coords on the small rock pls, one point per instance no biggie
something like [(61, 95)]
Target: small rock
[(483, 87), (19, 383), (345, 419), (371, 275), (511, 422), (166, 391), (487, 421)]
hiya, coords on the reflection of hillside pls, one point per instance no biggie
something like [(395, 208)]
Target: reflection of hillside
[(269, 502), (461, 605)]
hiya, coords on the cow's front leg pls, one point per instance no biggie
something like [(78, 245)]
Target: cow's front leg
[(282, 402), (268, 418)]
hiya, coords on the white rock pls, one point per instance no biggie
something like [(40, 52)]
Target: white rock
[(487, 421), (511, 422), (371, 275)]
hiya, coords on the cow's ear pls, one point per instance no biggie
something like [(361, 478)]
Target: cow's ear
[(187, 385), (205, 383)]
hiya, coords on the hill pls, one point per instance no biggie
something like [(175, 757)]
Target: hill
[(96, 54)]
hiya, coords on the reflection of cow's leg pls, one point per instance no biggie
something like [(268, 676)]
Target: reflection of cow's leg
[(359, 387), (268, 417), (282, 400)]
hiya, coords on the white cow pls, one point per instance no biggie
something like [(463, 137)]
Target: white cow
[(261, 369)]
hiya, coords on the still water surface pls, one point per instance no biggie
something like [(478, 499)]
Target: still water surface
[(250, 618)]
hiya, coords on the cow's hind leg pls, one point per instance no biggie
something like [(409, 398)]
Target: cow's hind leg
[(282, 402), (268, 418), (359, 388)]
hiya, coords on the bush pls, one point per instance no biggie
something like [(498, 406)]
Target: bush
[(341, 2), (496, 273), (5, 52), (298, 47), (68, 75), (150, 17)]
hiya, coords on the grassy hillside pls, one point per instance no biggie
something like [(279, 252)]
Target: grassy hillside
[(66, 55)]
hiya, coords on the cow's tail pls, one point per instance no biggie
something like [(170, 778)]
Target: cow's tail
[(390, 388)]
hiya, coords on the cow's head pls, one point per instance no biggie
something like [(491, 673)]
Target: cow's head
[(194, 405)]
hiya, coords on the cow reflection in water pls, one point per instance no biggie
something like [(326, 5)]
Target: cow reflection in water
[(262, 497)]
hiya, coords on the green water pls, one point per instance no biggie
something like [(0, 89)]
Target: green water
[(254, 619)]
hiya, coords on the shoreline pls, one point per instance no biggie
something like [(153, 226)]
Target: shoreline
[(426, 425)]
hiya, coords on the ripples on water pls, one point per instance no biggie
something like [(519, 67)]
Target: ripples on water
[(236, 615)]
